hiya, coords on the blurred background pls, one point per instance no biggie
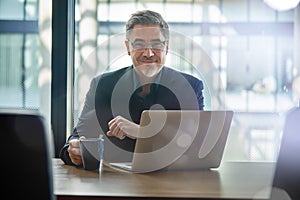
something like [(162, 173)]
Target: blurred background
[(246, 51)]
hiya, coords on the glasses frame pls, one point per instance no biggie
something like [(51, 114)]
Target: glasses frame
[(149, 45)]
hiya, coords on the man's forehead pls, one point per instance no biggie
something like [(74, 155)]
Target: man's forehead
[(146, 33)]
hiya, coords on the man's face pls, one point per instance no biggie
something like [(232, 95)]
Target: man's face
[(148, 49)]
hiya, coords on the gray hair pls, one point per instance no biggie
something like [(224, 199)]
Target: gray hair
[(147, 17)]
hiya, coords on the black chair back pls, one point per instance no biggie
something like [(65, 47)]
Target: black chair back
[(287, 171), (25, 156)]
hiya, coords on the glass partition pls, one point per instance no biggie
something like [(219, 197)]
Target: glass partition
[(249, 47), (246, 43)]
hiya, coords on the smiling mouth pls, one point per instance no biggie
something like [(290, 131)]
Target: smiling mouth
[(147, 60), (149, 65)]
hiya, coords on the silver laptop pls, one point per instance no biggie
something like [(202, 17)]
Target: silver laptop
[(179, 140)]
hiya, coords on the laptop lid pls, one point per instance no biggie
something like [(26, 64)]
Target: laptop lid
[(180, 139)]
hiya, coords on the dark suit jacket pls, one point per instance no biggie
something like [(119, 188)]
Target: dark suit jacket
[(117, 94)]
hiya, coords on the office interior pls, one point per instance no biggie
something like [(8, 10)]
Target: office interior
[(250, 63)]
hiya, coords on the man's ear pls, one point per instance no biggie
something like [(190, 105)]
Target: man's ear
[(127, 47), (167, 48)]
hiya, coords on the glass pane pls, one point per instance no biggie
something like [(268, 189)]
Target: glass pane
[(286, 16), (211, 11), (11, 9), (260, 12), (25, 56), (11, 84), (197, 12), (172, 12), (117, 14), (16, 10), (31, 10), (158, 6), (253, 66), (234, 8)]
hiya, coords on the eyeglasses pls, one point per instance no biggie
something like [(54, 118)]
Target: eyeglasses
[(155, 46)]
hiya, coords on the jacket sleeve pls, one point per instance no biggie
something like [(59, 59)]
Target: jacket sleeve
[(89, 106), (199, 94), (64, 154)]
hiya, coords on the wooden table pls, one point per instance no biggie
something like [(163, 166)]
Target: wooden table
[(232, 180)]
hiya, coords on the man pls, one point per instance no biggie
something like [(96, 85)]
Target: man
[(119, 97)]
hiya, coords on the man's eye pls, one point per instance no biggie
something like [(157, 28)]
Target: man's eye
[(139, 45), (157, 45)]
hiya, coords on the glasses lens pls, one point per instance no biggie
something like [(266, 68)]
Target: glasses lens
[(141, 46), (157, 45)]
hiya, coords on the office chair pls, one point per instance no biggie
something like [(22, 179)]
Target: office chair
[(25, 156), (287, 171)]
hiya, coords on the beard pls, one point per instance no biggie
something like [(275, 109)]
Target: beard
[(148, 70)]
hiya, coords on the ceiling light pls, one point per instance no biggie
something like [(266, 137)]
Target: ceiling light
[(282, 5)]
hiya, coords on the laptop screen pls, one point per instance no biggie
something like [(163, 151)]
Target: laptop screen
[(181, 139)]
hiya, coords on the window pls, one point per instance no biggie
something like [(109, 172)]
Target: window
[(243, 51)]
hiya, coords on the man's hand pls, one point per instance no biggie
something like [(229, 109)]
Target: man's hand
[(121, 127), (74, 151)]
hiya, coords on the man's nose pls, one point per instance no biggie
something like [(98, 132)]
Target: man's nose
[(148, 52)]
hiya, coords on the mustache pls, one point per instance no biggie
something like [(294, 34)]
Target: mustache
[(147, 59)]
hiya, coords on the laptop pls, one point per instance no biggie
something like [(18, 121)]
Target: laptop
[(178, 140)]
